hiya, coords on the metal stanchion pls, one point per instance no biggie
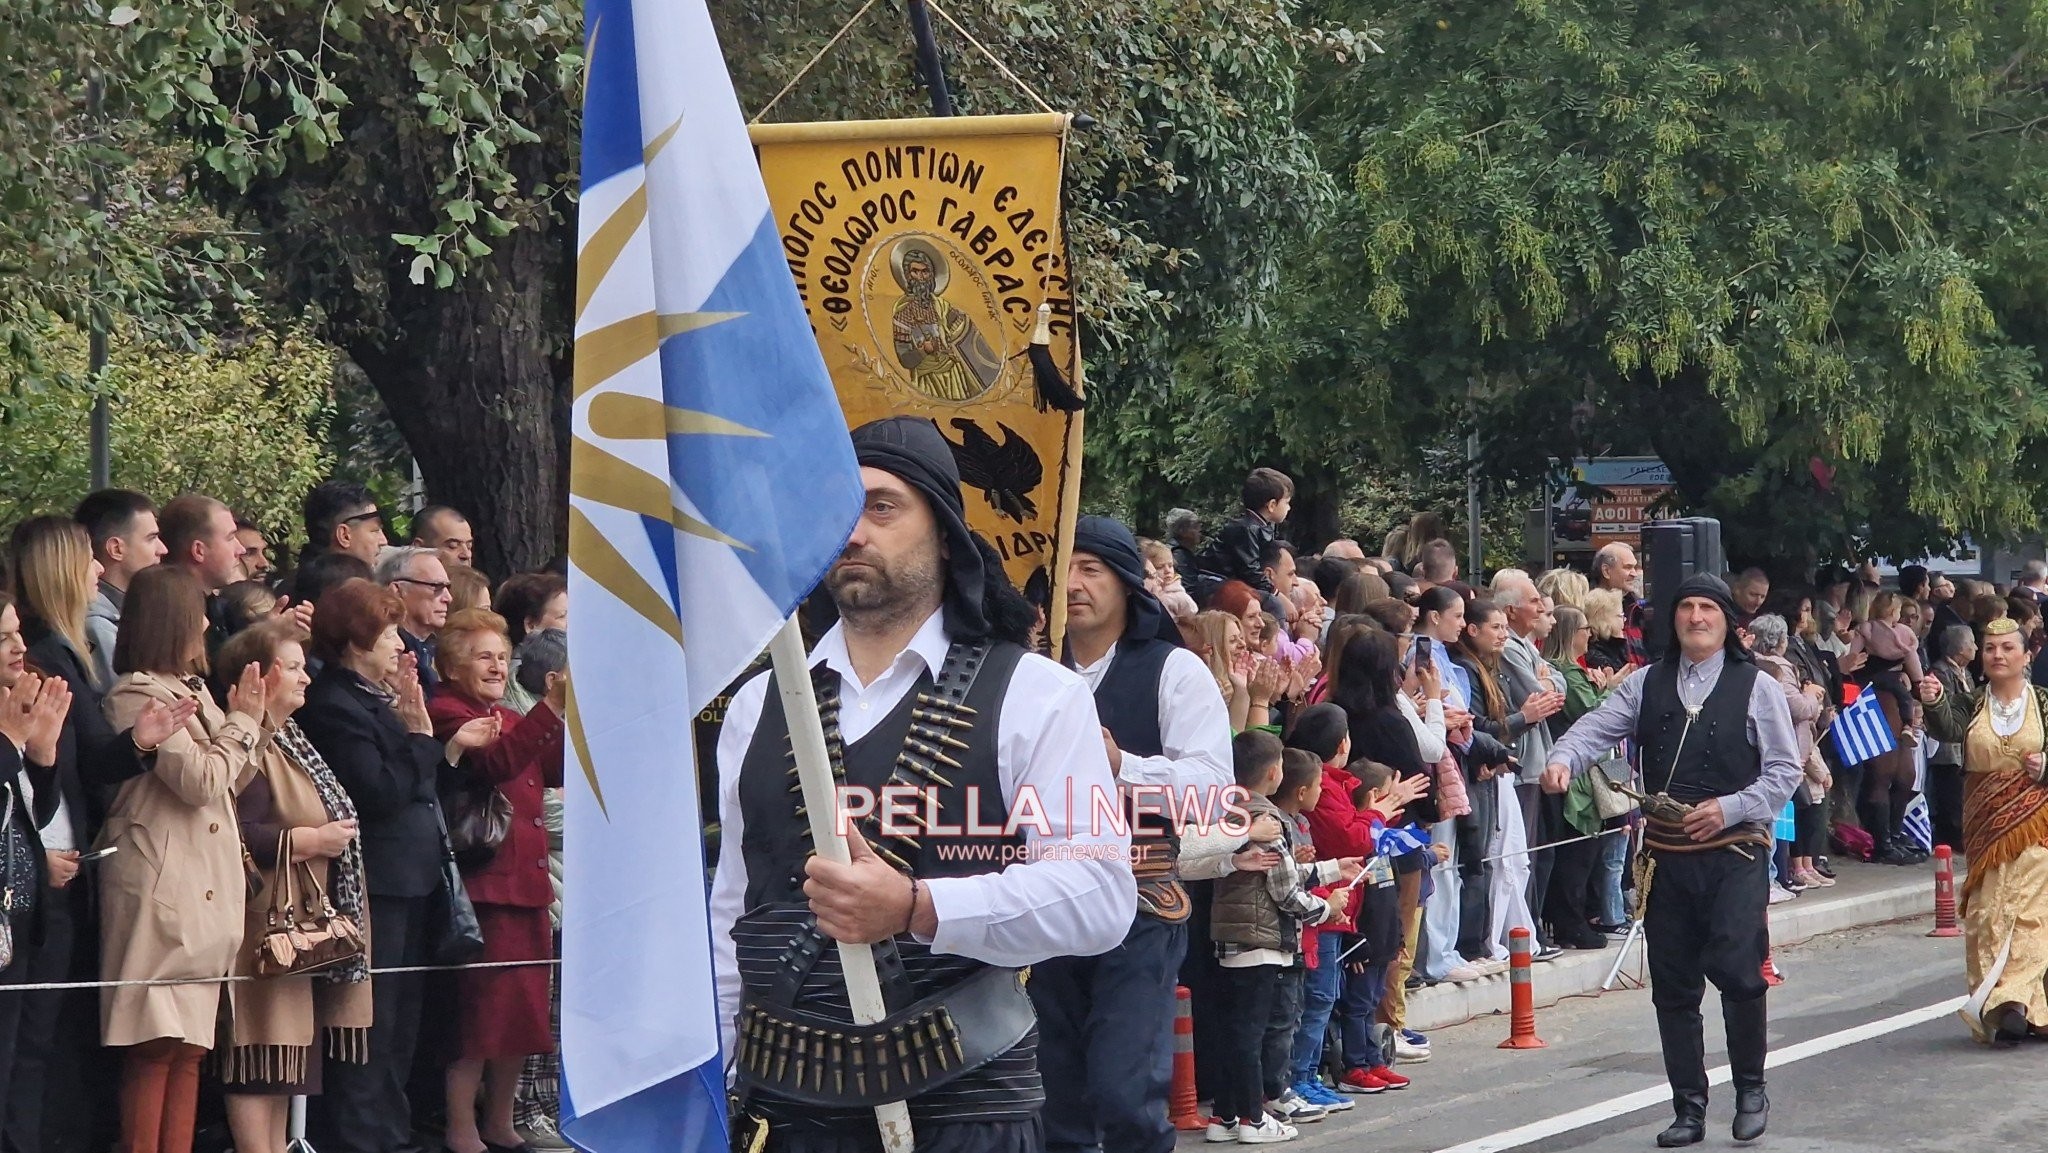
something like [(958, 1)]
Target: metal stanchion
[(295, 1128)]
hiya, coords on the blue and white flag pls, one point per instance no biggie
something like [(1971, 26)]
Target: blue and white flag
[(1398, 841), (1861, 732), (1917, 824), (712, 482)]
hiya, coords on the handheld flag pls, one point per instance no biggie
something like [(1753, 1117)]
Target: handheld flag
[(1391, 841), (1918, 824), (712, 483), (1861, 732)]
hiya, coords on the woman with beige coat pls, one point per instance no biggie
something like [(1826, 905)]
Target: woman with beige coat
[(172, 896), (298, 823)]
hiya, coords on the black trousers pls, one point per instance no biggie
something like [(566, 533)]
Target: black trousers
[(1250, 994), (1204, 980), (1945, 804), (35, 1092), (363, 1108), (1542, 823), (1276, 1052), (1706, 922), (956, 1137), (1571, 871), (1105, 1041)]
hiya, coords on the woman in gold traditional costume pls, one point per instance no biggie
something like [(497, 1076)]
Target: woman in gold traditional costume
[(2005, 836)]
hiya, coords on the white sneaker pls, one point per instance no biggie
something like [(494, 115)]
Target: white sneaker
[(1409, 1053), (1296, 1109), (1271, 1131), (1220, 1132), (1780, 894), (1490, 968), (1463, 973)]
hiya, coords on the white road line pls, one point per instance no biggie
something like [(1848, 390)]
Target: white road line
[(1661, 1095)]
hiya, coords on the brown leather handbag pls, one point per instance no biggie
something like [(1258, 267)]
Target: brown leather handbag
[(303, 933)]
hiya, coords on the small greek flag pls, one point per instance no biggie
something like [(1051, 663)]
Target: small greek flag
[(1390, 841), (1861, 732), (1918, 825)]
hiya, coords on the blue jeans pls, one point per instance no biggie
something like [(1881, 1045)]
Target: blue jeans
[(1360, 1014), (1607, 879), (1318, 997)]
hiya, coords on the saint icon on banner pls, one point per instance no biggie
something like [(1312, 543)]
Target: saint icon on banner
[(937, 343)]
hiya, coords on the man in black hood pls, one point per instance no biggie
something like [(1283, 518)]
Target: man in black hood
[(1105, 1023), (1714, 735), (939, 721)]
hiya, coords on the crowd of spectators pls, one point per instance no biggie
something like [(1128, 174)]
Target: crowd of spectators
[(1393, 715), (199, 736), (202, 742)]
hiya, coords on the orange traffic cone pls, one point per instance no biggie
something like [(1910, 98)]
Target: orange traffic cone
[(1521, 995), (1181, 1108), (1945, 924)]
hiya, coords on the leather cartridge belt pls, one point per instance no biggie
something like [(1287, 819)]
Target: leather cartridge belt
[(1666, 836), (1155, 861), (820, 1061)]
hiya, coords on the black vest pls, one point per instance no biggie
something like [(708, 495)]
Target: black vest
[(778, 928), (1127, 700), (1716, 758)]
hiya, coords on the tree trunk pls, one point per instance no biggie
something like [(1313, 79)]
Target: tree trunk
[(478, 384)]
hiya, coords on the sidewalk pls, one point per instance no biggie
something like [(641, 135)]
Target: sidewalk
[(1863, 895)]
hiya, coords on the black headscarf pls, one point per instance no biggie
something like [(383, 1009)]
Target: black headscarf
[(1106, 539), (980, 600), (1705, 586)]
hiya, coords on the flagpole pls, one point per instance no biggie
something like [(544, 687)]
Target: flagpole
[(814, 774)]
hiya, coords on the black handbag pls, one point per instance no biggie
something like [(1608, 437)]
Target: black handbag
[(456, 937), (478, 818), (19, 879)]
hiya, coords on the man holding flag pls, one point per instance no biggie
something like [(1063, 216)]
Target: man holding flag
[(1716, 746), (972, 767)]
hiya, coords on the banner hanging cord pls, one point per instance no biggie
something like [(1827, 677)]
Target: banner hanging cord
[(992, 59), (1013, 78), (806, 69)]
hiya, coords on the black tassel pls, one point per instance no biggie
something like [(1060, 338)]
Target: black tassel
[(1053, 388)]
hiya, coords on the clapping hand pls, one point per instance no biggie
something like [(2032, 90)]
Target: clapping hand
[(159, 720), (16, 704), (1399, 794), (250, 694), (46, 721), (1265, 681), (1305, 854), (475, 734)]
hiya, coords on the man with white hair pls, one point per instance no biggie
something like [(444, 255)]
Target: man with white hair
[(420, 579), (1535, 693), (1344, 549), (2034, 581)]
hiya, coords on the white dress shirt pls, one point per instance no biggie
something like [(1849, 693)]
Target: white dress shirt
[(1072, 895), (1194, 731), (1769, 728)]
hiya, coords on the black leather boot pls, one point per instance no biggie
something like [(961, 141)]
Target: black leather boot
[(1748, 1040), (1685, 1066), (1690, 1124)]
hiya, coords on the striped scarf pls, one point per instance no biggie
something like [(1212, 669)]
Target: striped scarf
[(345, 878)]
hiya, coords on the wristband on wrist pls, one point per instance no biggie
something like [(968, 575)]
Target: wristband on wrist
[(910, 917)]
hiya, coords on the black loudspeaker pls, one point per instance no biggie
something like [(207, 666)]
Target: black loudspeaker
[(1672, 551)]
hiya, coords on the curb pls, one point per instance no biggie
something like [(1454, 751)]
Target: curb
[(1578, 974)]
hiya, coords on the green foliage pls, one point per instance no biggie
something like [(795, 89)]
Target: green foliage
[(243, 420)]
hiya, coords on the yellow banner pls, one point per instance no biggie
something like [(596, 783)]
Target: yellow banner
[(923, 250)]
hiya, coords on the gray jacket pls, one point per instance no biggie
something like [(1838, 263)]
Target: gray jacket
[(102, 622), (1519, 666)]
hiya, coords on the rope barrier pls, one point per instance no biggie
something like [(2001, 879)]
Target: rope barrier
[(1553, 845), (231, 979)]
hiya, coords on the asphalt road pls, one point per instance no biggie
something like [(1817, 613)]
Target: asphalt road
[(1859, 1083)]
